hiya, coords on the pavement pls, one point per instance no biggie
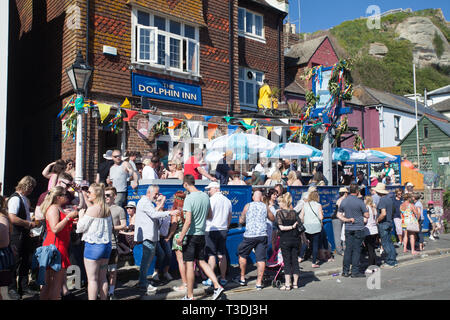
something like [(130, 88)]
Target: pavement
[(126, 288)]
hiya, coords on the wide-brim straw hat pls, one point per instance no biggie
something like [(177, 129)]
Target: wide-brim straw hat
[(343, 189), (381, 188)]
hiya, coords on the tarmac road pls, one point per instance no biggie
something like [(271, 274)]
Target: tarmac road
[(425, 279)]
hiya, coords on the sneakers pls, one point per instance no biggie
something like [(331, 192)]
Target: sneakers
[(217, 293), (432, 238), (151, 289), (168, 276), (207, 283), (155, 276), (223, 282), (258, 287), (241, 282), (187, 298)]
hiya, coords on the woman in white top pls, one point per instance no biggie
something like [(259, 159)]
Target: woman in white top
[(148, 173), (96, 226), (293, 179), (312, 216), (371, 231)]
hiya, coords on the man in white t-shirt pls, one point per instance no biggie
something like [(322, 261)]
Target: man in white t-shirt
[(217, 224), (150, 171)]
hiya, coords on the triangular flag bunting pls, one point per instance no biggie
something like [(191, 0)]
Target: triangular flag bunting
[(228, 118), (207, 118), (294, 128), (285, 120), (278, 130), (193, 127), (232, 129), (130, 115), (126, 104), (104, 110), (248, 121), (176, 122), (246, 126), (211, 130), (188, 115), (144, 111), (267, 119), (152, 120), (269, 129)]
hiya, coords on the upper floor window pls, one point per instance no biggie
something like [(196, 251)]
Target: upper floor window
[(249, 83), (425, 132), (165, 43), (397, 127), (250, 23)]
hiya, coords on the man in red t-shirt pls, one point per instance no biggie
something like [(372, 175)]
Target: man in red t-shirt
[(193, 167)]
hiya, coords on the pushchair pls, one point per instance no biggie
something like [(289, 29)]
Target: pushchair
[(274, 267)]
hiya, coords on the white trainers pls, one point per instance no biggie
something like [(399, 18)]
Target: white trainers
[(151, 289), (432, 238), (217, 293), (155, 276)]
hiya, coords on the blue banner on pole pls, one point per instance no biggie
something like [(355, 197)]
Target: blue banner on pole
[(327, 197)]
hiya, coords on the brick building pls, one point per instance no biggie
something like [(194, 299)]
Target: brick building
[(220, 49)]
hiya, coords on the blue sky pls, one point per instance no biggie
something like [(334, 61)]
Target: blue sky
[(323, 14)]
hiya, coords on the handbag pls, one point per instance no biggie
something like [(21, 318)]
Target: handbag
[(300, 226), (412, 225)]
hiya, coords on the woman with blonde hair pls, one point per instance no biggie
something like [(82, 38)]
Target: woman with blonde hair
[(175, 170), (293, 179), (275, 179), (6, 254), (409, 215), (311, 216), (59, 226), (289, 240), (96, 226), (371, 231)]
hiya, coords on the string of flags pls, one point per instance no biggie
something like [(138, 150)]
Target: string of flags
[(124, 113)]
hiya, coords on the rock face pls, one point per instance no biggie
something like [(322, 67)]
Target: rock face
[(378, 50), (421, 31)]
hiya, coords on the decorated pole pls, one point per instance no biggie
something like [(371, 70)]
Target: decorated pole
[(79, 102)]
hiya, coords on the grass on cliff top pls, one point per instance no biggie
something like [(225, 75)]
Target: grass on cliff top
[(394, 72)]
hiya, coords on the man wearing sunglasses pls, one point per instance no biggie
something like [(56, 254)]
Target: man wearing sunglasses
[(119, 223), (118, 177)]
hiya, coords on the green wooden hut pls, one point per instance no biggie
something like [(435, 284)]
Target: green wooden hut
[(434, 150)]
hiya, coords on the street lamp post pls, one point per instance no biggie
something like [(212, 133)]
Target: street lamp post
[(79, 74)]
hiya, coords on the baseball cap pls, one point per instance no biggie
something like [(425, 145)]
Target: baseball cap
[(409, 184), (430, 202), (213, 185)]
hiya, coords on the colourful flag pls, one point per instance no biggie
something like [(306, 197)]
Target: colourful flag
[(232, 129), (104, 110), (130, 115), (228, 118), (269, 129), (207, 118), (126, 104), (211, 130), (188, 115), (176, 122)]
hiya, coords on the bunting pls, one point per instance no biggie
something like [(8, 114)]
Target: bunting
[(188, 115), (104, 110), (152, 120), (193, 127), (130, 115), (268, 128), (247, 126), (211, 130), (126, 104), (232, 129), (176, 122), (228, 118), (207, 118)]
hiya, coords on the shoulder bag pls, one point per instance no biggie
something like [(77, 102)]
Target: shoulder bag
[(412, 224), (321, 222)]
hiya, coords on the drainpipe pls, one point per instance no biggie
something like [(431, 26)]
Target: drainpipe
[(231, 35), (381, 124)]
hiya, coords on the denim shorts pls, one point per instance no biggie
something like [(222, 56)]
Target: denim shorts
[(95, 251)]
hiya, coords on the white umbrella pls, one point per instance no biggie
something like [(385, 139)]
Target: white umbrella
[(214, 156), (349, 155), (293, 150), (377, 156), (241, 144)]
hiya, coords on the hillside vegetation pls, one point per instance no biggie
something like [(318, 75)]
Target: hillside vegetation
[(394, 72)]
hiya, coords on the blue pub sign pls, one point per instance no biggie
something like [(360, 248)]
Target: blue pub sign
[(168, 90)]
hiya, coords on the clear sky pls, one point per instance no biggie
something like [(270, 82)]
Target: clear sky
[(323, 14)]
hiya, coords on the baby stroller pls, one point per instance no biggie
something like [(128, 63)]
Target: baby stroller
[(274, 267)]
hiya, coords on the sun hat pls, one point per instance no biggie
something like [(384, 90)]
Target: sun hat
[(108, 155), (213, 185), (131, 204), (381, 188), (431, 202), (343, 189)]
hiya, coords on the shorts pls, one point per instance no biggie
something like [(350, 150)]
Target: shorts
[(95, 251), (258, 243), (216, 243), (113, 259), (194, 249), (434, 220)]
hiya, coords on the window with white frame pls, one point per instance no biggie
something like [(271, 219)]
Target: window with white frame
[(397, 127), (249, 83), (165, 43), (250, 23)]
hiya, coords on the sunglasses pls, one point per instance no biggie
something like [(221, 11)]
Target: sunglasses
[(108, 195), (116, 156)]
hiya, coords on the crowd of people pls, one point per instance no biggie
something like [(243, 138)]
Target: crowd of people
[(91, 225)]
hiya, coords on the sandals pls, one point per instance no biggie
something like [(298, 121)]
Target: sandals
[(295, 286), (286, 288), (315, 265)]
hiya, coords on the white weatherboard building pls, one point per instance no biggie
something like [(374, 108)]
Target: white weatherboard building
[(4, 28)]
